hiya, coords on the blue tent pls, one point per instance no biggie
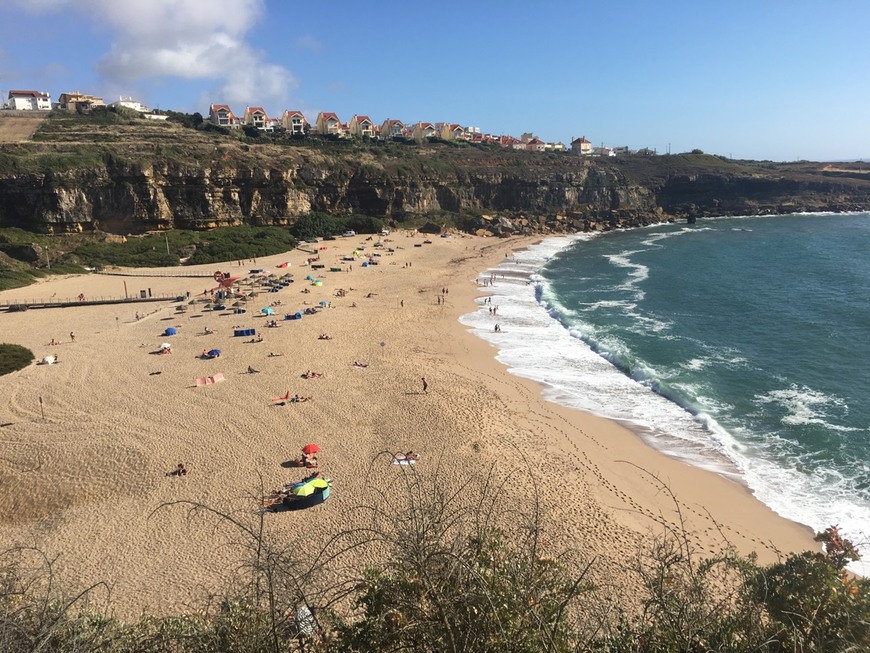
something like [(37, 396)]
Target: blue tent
[(214, 352), (170, 331), (267, 311)]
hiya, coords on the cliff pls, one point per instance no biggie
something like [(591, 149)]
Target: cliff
[(75, 176)]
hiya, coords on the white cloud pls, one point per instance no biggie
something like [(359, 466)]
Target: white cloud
[(190, 39)]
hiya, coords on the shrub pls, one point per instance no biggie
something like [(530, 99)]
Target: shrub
[(231, 243), (14, 358)]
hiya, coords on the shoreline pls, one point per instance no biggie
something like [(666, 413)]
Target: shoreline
[(87, 483), (626, 429)]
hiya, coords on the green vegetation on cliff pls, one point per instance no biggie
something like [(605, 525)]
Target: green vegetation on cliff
[(121, 174)]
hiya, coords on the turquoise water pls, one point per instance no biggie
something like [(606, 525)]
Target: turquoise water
[(740, 344)]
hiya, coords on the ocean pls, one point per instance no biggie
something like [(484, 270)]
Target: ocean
[(738, 344)]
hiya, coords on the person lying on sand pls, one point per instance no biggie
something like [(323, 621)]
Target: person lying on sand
[(273, 354), (408, 458), (324, 336), (251, 370), (361, 365), (311, 375), (180, 470), (207, 331)]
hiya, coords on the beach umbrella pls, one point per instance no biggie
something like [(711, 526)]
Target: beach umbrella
[(302, 490), (214, 352), (268, 311), (310, 448), (309, 487), (165, 345)]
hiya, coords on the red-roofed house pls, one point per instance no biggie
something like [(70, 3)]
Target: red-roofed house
[(453, 132), (424, 130), (257, 117), (294, 122), (29, 101), (222, 116), (536, 145), (392, 129), (328, 124), (581, 146), (362, 127)]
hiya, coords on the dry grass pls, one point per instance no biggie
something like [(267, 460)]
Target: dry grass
[(18, 128)]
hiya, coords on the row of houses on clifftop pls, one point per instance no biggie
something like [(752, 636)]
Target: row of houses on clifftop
[(294, 123), (19, 100)]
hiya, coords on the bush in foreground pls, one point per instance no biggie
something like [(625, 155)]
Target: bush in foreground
[(14, 358), (451, 580)]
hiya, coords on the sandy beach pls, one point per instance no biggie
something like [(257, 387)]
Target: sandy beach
[(86, 482)]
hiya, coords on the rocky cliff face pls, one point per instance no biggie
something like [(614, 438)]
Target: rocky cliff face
[(500, 191)]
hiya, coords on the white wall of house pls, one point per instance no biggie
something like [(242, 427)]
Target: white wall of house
[(29, 102), (130, 103)]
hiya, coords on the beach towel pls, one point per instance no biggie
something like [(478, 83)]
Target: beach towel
[(209, 380)]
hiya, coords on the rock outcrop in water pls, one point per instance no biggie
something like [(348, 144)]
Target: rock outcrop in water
[(168, 177)]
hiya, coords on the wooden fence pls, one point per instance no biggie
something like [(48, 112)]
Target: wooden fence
[(54, 302)]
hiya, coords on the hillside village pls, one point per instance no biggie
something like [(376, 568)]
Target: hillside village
[(294, 124)]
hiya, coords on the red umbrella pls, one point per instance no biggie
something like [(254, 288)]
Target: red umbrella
[(310, 448)]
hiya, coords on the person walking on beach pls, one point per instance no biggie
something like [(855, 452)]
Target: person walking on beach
[(425, 385), (72, 336)]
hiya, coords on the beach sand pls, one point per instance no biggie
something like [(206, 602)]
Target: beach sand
[(86, 483)]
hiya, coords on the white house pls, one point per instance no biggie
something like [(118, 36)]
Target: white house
[(29, 101), (130, 103)]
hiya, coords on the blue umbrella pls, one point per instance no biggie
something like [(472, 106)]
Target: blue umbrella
[(214, 352)]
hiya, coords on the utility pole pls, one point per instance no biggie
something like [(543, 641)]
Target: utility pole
[(166, 235), (47, 258)]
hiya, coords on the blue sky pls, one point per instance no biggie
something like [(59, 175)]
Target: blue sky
[(756, 79)]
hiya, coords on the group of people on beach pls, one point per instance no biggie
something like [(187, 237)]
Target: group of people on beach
[(54, 342)]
